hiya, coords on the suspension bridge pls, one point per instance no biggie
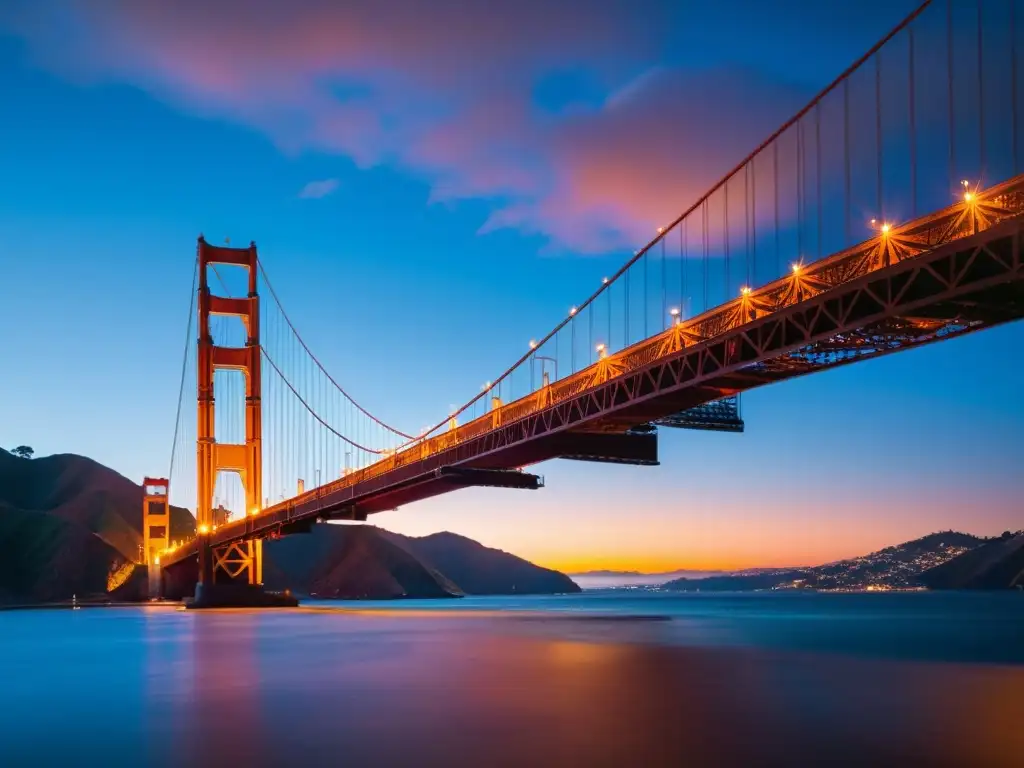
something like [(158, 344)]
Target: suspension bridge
[(887, 214)]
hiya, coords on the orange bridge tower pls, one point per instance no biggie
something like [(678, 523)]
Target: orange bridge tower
[(156, 527), (240, 562)]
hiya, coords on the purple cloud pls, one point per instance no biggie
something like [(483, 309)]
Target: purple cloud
[(448, 95)]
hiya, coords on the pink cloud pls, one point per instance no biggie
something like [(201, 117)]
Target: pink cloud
[(446, 94)]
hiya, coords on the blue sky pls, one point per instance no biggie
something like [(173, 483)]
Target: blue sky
[(479, 187)]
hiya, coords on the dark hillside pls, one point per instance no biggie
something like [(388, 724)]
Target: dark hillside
[(82, 491), (349, 562), (480, 570)]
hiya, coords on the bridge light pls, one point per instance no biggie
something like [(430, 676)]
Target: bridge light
[(745, 290), (604, 281), (660, 230), (885, 229), (572, 311), (968, 197), (601, 351), (157, 559), (533, 343), (253, 511), (674, 312), (796, 268), (204, 529)]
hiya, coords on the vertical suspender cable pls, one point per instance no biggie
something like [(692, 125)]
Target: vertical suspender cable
[(800, 189), (664, 284), (1013, 83), (775, 194), (817, 168), (949, 74), (746, 221), (878, 134), (704, 233), (725, 218), (913, 121), (981, 100), (847, 232)]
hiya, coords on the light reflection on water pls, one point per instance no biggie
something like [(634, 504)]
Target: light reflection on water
[(577, 680)]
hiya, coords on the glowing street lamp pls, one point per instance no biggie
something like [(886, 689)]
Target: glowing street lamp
[(573, 311), (676, 315), (602, 351)]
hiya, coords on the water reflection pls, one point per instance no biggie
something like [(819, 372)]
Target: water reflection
[(460, 688)]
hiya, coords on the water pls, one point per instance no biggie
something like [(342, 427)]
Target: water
[(595, 679)]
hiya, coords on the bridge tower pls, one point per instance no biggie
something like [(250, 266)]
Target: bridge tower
[(156, 527), (240, 562)]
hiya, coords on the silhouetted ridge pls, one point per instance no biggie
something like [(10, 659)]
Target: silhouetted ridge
[(997, 564), (900, 566), (480, 570), (84, 492), (349, 562), (44, 558)]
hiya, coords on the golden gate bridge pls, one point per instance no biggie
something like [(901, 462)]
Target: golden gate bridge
[(887, 214)]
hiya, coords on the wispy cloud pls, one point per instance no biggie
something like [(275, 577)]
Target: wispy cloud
[(449, 99), (318, 189)]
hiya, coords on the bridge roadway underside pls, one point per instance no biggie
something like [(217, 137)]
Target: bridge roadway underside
[(966, 285)]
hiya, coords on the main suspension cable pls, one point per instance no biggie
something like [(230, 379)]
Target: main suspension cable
[(316, 360)]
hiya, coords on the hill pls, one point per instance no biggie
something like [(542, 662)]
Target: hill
[(85, 493), (44, 558), (895, 567), (363, 561), (480, 570), (350, 562), (997, 564)]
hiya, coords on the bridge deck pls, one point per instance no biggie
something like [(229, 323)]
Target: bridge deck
[(950, 273)]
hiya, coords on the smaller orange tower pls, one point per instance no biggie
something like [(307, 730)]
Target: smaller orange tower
[(156, 527)]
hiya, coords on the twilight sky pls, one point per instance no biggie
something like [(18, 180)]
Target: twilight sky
[(429, 191)]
